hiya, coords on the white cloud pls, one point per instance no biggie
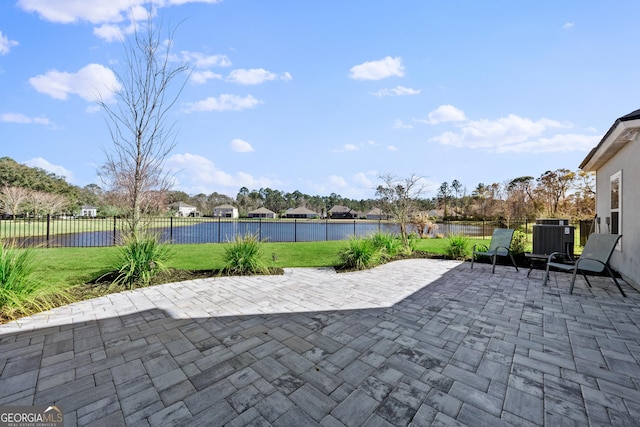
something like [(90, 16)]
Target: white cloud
[(348, 147), (197, 174), (22, 119), (95, 12), (362, 179), (516, 134), (6, 44), (397, 91), (255, 76), (41, 163), (358, 186), (201, 63), (561, 143), (113, 18), (241, 146), (392, 148), (337, 181), (109, 32), (200, 60), (224, 102), (354, 147), (89, 83), (201, 77), (568, 25), (444, 113), (377, 70), (398, 124)]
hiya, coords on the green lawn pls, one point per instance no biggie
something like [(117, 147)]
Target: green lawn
[(73, 266)]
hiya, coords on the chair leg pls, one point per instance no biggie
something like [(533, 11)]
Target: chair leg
[(615, 281), (494, 258), (586, 280), (514, 262), (473, 256), (573, 280), (546, 276)]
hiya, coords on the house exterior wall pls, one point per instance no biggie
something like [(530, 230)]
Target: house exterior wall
[(225, 212), (261, 215), (626, 260), (186, 211), (88, 212)]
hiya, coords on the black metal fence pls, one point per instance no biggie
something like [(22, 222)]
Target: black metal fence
[(93, 232)]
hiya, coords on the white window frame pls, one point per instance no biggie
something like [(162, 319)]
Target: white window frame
[(615, 206)]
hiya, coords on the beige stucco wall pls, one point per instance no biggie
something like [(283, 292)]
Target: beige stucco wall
[(627, 260)]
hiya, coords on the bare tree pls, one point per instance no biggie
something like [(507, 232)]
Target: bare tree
[(12, 199), (141, 137), (398, 198), (51, 203), (36, 200)]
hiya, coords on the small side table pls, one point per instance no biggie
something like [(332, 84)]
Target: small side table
[(536, 258), (543, 258)]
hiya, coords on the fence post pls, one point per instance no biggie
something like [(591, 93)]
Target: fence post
[(295, 230), (326, 229), (260, 229), (114, 230), (171, 229), (218, 229), (48, 231), (483, 230)]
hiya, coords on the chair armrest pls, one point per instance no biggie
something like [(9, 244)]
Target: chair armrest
[(581, 259), (480, 246), (552, 255)]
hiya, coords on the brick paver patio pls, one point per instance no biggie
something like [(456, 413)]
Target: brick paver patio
[(415, 342)]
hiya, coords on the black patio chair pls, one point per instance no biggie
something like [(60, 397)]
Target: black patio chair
[(500, 246), (594, 259)]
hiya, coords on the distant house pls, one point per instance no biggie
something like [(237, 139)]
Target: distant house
[(261, 213), (183, 209), (88, 211), (615, 162), (300, 212), (436, 213), (342, 212), (376, 214), (225, 211)]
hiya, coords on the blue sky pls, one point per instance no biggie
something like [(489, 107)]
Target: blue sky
[(325, 96)]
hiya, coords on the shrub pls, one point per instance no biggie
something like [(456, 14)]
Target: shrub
[(518, 243), (360, 254), (389, 244), (457, 246), (139, 259), (22, 291), (244, 256)]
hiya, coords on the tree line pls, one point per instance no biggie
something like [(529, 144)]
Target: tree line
[(31, 191)]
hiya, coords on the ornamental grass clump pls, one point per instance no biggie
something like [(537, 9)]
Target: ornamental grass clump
[(139, 259), (360, 254), (243, 256), (22, 290), (457, 247), (389, 244)]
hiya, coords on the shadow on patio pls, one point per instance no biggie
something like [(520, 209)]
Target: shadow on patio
[(465, 347)]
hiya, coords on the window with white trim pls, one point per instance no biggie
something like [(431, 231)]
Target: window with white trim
[(616, 204)]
